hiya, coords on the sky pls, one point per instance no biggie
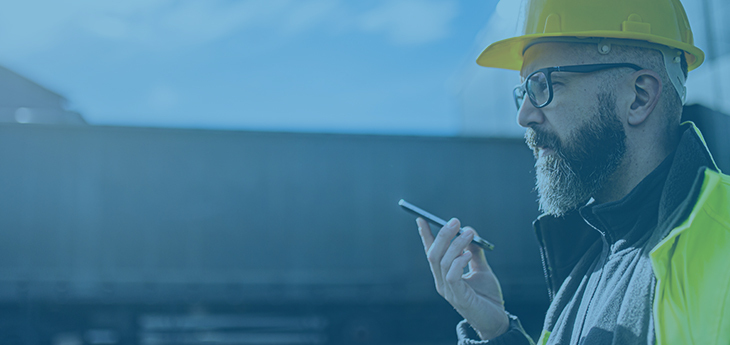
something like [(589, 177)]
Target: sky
[(377, 67), (386, 66)]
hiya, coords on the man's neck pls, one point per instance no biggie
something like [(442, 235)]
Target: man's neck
[(637, 164)]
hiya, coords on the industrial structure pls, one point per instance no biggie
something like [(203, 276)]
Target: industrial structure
[(169, 236)]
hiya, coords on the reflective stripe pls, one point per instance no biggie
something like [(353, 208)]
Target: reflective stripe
[(543, 338)]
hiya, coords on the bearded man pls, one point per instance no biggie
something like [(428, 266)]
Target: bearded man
[(635, 231)]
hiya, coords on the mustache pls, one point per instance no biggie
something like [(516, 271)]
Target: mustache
[(536, 138)]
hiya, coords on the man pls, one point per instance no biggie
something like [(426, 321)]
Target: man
[(635, 235)]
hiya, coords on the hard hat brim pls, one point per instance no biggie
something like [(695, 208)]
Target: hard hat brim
[(508, 53)]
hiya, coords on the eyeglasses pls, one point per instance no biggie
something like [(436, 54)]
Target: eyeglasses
[(539, 86)]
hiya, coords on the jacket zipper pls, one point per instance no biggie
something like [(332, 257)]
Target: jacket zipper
[(604, 260)]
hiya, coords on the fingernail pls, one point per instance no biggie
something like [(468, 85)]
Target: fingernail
[(452, 222), (469, 232)]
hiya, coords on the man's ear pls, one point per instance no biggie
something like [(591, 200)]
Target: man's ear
[(647, 91)]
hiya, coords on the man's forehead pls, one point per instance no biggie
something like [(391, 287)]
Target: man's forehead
[(551, 54)]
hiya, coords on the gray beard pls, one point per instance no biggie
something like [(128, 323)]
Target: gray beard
[(578, 169)]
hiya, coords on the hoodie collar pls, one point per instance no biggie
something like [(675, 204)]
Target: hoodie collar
[(633, 215)]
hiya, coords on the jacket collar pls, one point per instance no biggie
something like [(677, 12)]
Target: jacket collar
[(690, 160)]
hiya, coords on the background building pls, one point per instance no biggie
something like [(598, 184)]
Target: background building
[(122, 235), (23, 101)]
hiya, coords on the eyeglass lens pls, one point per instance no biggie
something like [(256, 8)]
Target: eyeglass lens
[(519, 94), (536, 87)]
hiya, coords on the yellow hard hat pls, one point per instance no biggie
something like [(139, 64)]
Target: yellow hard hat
[(661, 22)]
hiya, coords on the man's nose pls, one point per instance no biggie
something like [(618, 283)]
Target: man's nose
[(528, 115)]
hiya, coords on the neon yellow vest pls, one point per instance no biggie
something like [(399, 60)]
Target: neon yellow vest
[(692, 267)]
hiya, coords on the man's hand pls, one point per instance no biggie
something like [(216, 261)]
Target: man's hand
[(476, 295)]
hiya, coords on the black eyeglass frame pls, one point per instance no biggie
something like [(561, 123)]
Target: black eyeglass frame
[(522, 88)]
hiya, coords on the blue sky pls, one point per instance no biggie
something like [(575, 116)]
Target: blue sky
[(380, 66), (388, 66)]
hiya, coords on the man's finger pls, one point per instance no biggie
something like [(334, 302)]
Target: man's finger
[(457, 267), (442, 241), (456, 249), (437, 249), (425, 231), (454, 285), (478, 261)]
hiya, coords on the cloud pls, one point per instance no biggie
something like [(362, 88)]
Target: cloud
[(36, 26), (304, 14), (24, 28), (201, 21), (33, 26), (183, 23), (411, 22)]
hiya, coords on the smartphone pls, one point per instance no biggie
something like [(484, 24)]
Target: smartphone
[(440, 222)]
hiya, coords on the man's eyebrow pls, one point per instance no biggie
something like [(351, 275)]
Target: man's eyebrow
[(562, 75)]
